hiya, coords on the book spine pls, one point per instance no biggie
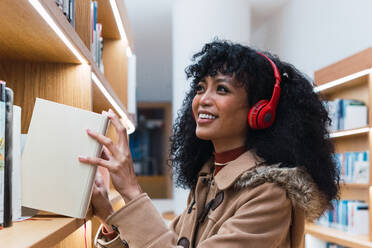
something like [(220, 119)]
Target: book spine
[(89, 185), (2, 149), (73, 13), (8, 212), (16, 175)]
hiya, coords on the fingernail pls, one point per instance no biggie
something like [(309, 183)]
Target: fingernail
[(82, 157)]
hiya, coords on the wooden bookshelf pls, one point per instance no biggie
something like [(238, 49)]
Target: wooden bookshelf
[(353, 87), (338, 237), (107, 19), (358, 192), (158, 186), (350, 78), (36, 62), (48, 231), (350, 133), (30, 45), (25, 36)]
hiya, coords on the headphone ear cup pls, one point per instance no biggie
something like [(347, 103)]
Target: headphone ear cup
[(255, 113)]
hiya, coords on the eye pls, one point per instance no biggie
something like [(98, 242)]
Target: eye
[(223, 89), (199, 88)]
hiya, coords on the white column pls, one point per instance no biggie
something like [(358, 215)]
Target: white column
[(196, 22)]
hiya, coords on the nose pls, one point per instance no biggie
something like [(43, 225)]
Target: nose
[(206, 99)]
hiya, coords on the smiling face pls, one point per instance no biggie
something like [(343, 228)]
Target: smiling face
[(220, 108)]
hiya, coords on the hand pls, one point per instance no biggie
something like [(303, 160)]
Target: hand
[(100, 200), (118, 159)]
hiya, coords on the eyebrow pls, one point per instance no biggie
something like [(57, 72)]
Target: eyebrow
[(223, 79)]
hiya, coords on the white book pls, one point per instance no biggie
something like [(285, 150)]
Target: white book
[(16, 173), (355, 116), (360, 219), (53, 179)]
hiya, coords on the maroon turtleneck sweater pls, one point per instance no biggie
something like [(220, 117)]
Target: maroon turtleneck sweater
[(222, 158)]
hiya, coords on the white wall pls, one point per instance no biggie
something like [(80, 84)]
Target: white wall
[(196, 22), (151, 22), (313, 34)]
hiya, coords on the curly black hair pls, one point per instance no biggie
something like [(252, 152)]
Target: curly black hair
[(298, 137)]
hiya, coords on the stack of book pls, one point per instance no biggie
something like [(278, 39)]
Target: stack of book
[(10, 158), (353, 166), (347, 114), (68, 8), (348, 216), (96, 36)]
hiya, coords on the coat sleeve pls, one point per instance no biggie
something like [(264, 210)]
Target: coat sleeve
[(141, 225), (261, 220)]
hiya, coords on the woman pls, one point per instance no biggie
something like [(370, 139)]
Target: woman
[(251, 143)]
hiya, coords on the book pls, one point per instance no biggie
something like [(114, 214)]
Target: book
[(347, 216), (353, 166), (347, 114), (8, 170), (68, 9), (16, 173), (355, 114), (2, 149), (53, 179)]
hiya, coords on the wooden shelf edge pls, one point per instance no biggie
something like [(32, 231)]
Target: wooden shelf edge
[(45, 231), (125, 19), (349, 65), (350, 132), (337, 236), (109, 89), (344, 82), (68, 30), (355, 186)]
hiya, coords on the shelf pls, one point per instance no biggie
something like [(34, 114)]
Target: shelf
[(107, 19), (355, 186), (338, 237), (102, 102), (155, 186), (347, 66), (343, 83), (357, 192), (350, 132), (44, 231), (26, 36)]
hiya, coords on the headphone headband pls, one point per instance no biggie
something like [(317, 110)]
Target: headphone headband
[(276, 71)]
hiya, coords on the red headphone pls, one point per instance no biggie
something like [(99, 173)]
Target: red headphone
[(262, 114)]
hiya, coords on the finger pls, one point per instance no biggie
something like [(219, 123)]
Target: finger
[(98, 178), (103, 140), (95, 161), (119, 127), (106, 153)]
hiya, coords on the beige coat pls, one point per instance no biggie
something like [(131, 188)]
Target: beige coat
[(247, 204)]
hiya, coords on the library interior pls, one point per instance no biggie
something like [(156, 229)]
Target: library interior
[(127, 70)]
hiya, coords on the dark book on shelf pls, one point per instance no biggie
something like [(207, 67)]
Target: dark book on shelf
[(8, 158)]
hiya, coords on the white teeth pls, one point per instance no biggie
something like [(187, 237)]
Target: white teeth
[(207, 116)]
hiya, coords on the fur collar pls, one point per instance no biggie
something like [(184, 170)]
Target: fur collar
[(301, 189)]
